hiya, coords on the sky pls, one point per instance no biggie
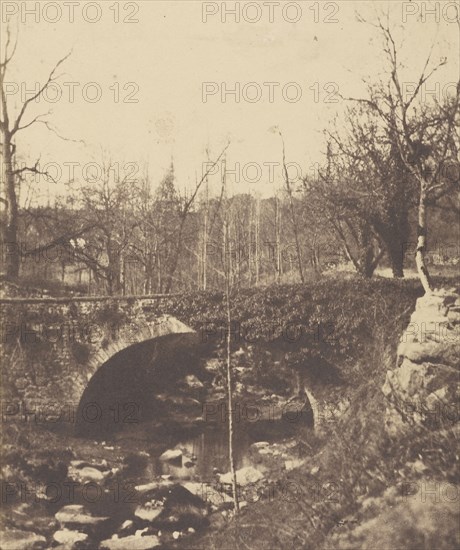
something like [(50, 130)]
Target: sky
[(156, 84)]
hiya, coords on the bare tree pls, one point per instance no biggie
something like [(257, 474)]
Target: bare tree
[(257, 241), (106, 203), (278, 257), (425, 136), (10, 125), (227, 269), (330, 199), (185, 208), (293, 213), (292, 207), (380, 185)]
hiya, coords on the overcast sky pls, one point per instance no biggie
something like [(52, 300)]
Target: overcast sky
[(171, 51)]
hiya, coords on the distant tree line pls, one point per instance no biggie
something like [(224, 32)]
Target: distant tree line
[(390, 166)]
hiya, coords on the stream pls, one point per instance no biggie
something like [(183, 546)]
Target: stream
[(119, 493)]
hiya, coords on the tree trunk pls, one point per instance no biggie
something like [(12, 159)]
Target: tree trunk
[(257, 240), (159, 274), (278, 239), (10, 235), (295, 229), (122, 278), (422, 241), (394, 235), (147, 276), (205, 249), (368, 258), (249, 240), (176, 257), (396, 256), (229, 376)]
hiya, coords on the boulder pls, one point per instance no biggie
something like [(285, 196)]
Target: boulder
[(165, 481), (260, 444), (77, 514), (295, 463), (68, 537), (126, 525), (192, 382), (244, 476), (266, 451), (182, 508), (133, 542), (208, 493), (150, 510), (171, 455), (213, 365), (29, 517), (446, 351), (84, 472)]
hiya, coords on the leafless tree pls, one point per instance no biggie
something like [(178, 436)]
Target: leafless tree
[(106, 203), (424, 135), (227, 269), (184, 211), (10, 125), (330, 199)]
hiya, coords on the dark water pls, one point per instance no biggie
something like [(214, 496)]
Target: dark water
[(211, 451), (209, 447)]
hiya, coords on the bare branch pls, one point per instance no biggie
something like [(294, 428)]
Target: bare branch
[(8, 56), (51, 78), (33, 121), (34, 170), (54, 130)]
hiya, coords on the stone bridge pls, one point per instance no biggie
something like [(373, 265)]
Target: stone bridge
[(52, 347), (64, 359)]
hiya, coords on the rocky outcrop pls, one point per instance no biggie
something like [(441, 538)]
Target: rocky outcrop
[(423, 390)]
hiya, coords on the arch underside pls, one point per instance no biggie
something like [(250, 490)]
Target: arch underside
[(122, 391)]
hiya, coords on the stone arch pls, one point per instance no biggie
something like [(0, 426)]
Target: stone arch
[(134, 333), (128, 369)]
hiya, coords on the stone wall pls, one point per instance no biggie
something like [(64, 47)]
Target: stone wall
[(424, 388)]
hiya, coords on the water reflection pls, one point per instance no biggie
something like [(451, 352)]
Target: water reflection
[(211, 451), (204, 453)]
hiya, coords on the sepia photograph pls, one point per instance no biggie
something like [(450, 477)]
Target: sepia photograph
[(230, 275)]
